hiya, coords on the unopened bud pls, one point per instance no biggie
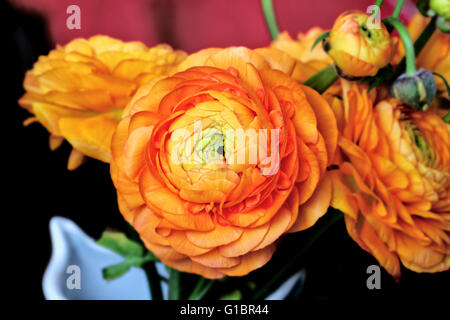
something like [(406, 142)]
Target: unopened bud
[(443, 25), (416, 90), (441, 7)]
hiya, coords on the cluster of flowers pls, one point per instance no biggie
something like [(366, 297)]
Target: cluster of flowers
[(385, 165)]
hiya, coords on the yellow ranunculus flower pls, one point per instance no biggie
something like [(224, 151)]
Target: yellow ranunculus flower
[(78, 91), (358, 46), (300, 49)]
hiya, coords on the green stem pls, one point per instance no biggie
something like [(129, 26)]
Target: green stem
[(202, 287), (407, 43), (322, 80), (419, 44), (174, 284), (444, 80), (379, 3), (282, 272), (153, 281), (271, 21), (398, 8)]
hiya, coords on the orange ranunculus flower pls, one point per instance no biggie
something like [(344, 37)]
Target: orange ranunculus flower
[(393, 182), (176, 169), (78, 91), (358, 46), (300, 49)]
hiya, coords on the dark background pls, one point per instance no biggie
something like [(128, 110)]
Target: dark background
[(37, 186)]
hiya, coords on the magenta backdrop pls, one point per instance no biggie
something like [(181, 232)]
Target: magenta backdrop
[(191, 24)]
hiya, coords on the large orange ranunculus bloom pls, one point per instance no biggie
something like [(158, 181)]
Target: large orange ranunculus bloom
[(300, 49), (393, 182), (79, 90), (217, 218)]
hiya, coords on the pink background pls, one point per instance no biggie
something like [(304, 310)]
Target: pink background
[(191, 24)]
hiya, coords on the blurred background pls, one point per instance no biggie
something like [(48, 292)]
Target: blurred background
[(39, 186)]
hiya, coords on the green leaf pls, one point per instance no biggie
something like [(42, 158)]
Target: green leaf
[(119, 243), (322, 37), (383, 75), (322, 80), (234, 295), (115, 271), (446, 118), (134, 253)]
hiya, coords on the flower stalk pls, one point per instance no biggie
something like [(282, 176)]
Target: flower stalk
[(420, 43), (271, 20), (201, 289), (407, 43), (398, 8), (379, 3), (174, 284), (153, 281)]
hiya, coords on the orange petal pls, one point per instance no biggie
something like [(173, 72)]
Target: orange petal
[(342, 199), (187, 265), (92, 135), (134, 151), (352, 65), (55, 142), (180, 243), (278, 226), (326, 122), (214, 259), (250, 238), (315, 207), (220, 235), (250, 262), (75, 159), (378, 249), (307, 187), (420, 258)]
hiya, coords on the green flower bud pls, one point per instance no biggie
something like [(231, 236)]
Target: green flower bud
[(416, 90), (443, 25), (441, 7)]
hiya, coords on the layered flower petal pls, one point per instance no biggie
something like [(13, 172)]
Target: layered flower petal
[(78, 91), (310, 61), (393, 181), (220, 157)]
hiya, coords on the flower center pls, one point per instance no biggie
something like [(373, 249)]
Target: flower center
[(209, 146)]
